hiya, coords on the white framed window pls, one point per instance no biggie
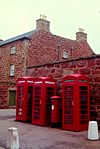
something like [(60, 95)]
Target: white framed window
[(13, 50), (12, 70), (65, 54)]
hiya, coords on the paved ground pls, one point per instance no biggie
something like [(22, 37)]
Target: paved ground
[(35, 137)]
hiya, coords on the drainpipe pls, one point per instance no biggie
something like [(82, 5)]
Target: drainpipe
[(59, 52)]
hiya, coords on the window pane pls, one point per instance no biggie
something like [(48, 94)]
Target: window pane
[(65, 54), (11, 70), (13, 50)]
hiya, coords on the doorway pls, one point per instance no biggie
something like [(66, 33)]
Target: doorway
[(12, 98)]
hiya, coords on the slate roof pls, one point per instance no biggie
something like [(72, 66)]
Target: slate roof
[(19, 37)]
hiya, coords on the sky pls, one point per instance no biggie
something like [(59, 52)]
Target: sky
[(65, 16)]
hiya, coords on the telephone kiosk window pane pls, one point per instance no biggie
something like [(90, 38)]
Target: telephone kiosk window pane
[(29, 100), (37, 97), (68, 107), (20, 97)]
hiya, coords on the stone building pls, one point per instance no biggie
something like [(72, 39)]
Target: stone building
[(41, 53)]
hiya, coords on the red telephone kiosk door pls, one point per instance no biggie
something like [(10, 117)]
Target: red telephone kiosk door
[(44, 88), (24, 99), (76, 102)]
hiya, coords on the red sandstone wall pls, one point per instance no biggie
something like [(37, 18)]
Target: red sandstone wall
[(6, 59), (43, 48), (4, 94), (89, 67)]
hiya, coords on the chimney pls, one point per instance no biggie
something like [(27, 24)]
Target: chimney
[(43, 24), (81, 36)]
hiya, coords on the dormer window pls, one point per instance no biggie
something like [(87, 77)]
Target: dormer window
[(65, 54), (13, 50)]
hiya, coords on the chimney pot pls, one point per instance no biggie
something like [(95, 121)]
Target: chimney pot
[(81, 30)]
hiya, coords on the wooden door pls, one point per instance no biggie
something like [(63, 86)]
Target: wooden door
[(12, 98)]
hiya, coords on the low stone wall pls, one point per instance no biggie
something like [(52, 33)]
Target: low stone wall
[(88, 66)]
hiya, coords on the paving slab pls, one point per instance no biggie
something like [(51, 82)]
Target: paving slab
[(37, 137)]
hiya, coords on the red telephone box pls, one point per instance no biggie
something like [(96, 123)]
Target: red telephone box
[(44, 88), (55, 113), (76, 102), (24, 98)]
